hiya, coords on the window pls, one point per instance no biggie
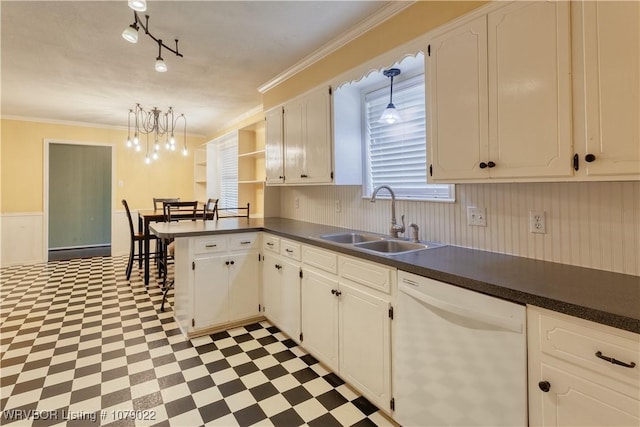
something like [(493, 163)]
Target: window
[(396, 154), (227, 163)]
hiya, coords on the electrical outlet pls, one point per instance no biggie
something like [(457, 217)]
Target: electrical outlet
[(537, 223), (296, 203), (476, 216), (338, 207)]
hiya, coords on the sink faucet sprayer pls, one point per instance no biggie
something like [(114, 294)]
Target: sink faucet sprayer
[(395, 227)]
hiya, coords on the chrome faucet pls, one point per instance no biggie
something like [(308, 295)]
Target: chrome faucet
[(395, 227)]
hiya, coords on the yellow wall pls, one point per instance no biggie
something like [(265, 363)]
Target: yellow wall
[(22, 166), (409, 24)]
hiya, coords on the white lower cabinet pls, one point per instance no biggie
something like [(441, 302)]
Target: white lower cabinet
[(570, 384), (346, 324), (217, 281), (320, 316), (281, 285), (365, 342)]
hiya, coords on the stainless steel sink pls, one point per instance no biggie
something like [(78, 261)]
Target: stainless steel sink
[(392, 246), (351, 238), (377, 243)]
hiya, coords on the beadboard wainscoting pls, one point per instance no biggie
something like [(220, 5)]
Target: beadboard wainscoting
[(588, 224), (23, 239)]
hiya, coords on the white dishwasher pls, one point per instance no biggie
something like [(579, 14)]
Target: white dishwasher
[(460, 357)]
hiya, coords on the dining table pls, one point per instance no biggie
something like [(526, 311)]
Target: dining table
[(146, 217)]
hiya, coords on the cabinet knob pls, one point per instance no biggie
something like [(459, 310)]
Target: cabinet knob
[(227, 262), (491, 164), (233, 262), (333, 291), (483, 165), (338, 293), (544, 386), (304, 176), (589, 158), (281, 177)]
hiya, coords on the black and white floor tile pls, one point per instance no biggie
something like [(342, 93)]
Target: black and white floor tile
[(80, 345)]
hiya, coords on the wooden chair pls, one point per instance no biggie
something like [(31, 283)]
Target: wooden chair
[(239, 212), (210, 209), (173, 211), (158, 203), (136, 237)]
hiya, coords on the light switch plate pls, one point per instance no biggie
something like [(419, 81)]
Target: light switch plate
[(476, 216)]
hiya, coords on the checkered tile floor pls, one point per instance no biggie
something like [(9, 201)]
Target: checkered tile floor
[(80, 345)]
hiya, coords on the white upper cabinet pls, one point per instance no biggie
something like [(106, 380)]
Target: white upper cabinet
[(298, 140), (499, 89), (458, 101), (274, 148), (307, 138), (607, 88)]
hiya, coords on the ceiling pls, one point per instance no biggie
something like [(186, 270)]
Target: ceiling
[(67, 61)]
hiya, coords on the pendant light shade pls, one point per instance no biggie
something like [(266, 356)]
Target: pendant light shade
[(390, 115), (130, 34), (161, 66), (138, 5)]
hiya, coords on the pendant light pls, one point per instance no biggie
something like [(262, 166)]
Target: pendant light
[(390, 114)]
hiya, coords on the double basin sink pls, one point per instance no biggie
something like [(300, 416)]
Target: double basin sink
[(378, 244)]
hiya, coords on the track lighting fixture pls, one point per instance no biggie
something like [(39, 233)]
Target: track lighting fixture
[(160, 126), (130, 33), (390, 114)]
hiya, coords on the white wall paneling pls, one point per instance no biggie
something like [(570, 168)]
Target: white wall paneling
[(23, 236), (589, 224)]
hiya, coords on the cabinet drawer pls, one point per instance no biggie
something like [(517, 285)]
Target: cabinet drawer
[(324, 260), (210, 244), (580, 341), (290, 249), (271, 243), (375, 276), (243, 242)]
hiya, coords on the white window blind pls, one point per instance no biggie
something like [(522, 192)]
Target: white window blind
[(228, 168), (396, 154)]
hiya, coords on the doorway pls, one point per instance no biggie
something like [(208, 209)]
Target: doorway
[(78, 200)]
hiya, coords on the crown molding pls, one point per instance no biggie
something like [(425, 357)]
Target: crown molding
[(385, 13)]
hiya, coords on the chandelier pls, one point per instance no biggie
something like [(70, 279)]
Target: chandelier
[(130, 33), (159, 126)]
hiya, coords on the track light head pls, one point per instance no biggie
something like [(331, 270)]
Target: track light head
[(138, 5), (130, 33)]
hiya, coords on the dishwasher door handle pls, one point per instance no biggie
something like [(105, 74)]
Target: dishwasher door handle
[(508, 324)]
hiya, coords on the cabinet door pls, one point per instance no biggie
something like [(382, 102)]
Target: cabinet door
[(573, 400), (317, 137), (290, 302), (293, 141), (272, 288), (211, 276), (611, 38), (320, 316), (365, 343), (274, 146), (457, 96), (244, 286), (530, 90)]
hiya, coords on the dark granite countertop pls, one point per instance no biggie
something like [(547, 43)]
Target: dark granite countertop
[(609, 298)]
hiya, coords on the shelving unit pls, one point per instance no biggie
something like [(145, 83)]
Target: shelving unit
[(200, 172), (251, 171)]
